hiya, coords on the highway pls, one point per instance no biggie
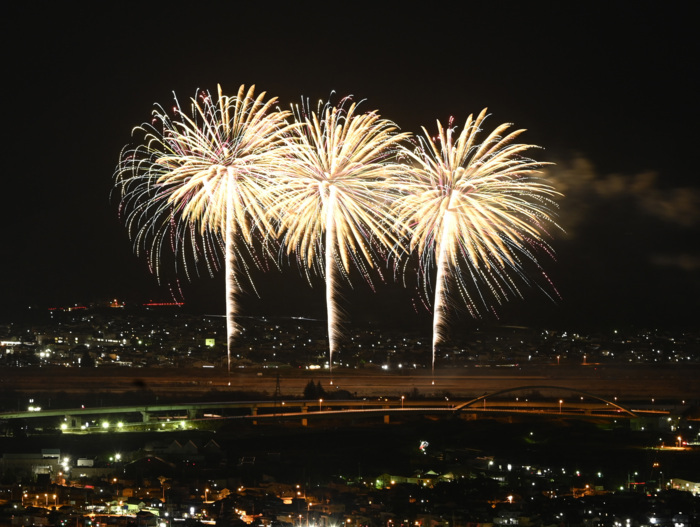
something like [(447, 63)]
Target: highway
[(153, 418), (560, 401)]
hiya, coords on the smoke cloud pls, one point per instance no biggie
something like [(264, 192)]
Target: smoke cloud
[(585, 189)]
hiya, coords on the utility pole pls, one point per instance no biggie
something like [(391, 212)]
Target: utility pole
[(278, 393)]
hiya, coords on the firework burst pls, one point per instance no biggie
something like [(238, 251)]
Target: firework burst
[(333, 197), (477, 211), (201, 181)]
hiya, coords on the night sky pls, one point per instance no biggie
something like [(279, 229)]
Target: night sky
[(607, 91)]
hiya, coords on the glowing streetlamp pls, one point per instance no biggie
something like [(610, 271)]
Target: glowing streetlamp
[(320, 402), (560, 403), (206, 495), (402, 398)]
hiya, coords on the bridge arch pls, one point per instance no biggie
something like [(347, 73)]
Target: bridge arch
[(468, 404)]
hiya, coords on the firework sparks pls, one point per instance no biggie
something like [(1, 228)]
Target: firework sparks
[(333, 197), (477, 211), (199, 178)]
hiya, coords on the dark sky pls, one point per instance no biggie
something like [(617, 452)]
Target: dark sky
[(607, 91)]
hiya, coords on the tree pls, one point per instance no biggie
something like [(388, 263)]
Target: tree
[(314, 391), (86, 361)]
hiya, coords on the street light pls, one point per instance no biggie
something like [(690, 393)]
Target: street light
[(560, 403), (206, 495), (320, 402), (402, 398)]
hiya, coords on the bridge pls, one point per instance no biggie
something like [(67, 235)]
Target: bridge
[(562, 401), (597, 406)]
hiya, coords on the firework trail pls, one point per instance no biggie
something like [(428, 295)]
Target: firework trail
[(199, 178), (332, 199), (477, 211)]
